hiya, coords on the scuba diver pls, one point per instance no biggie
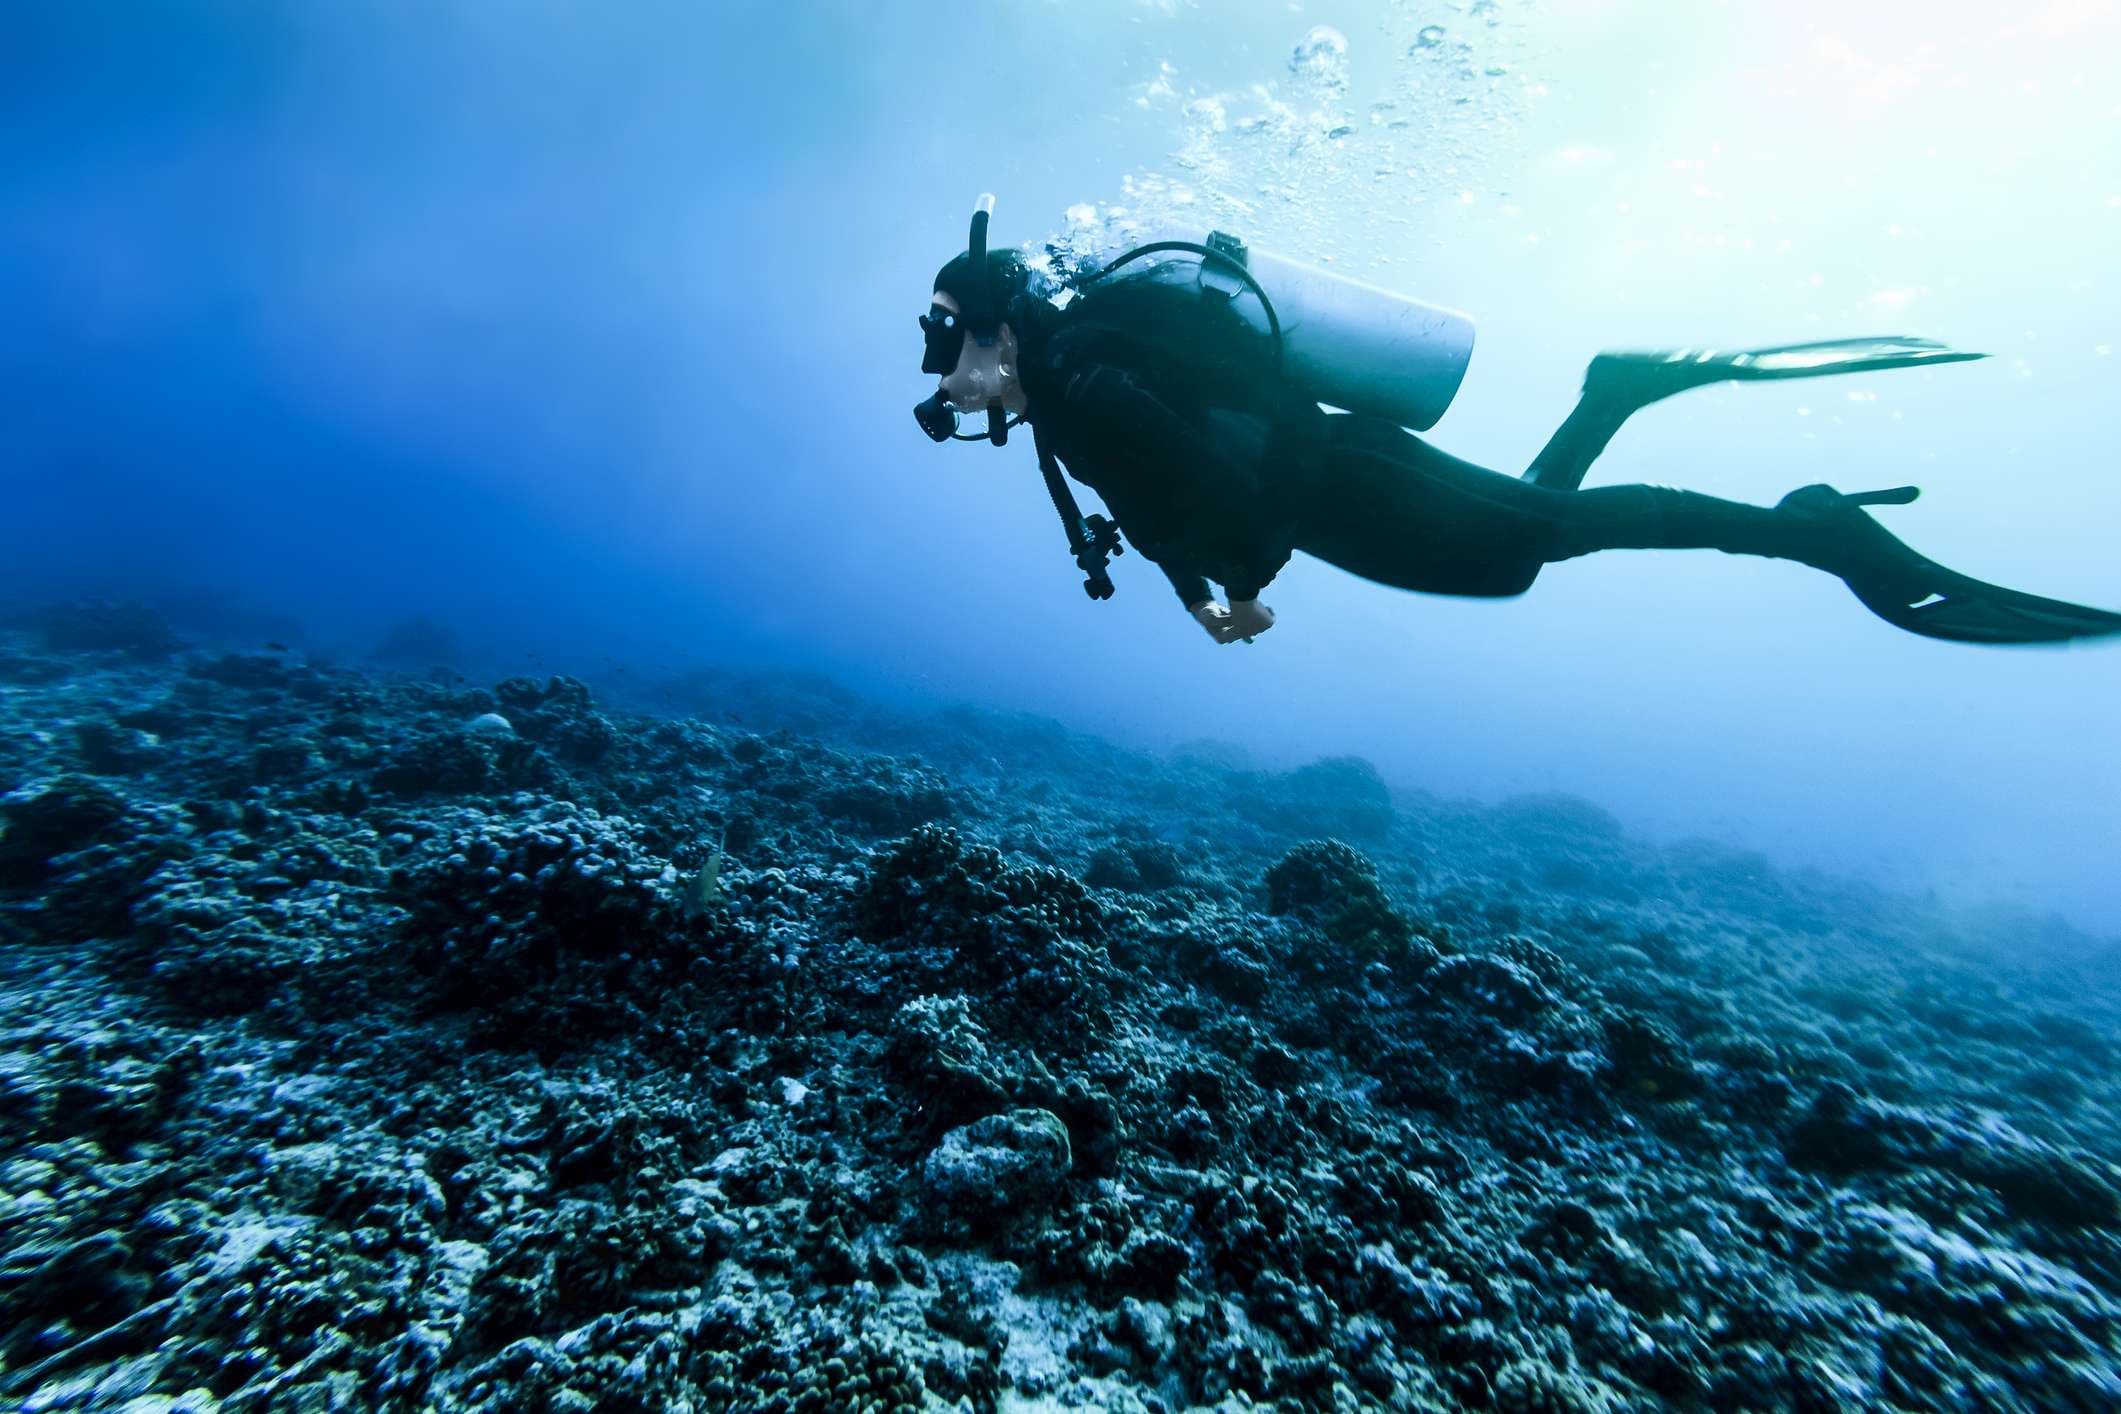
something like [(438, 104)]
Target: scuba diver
[(1183, 383)]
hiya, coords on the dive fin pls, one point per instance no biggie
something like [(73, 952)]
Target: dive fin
[(1620, 383), (1921, 596), (1650, 375), (1965, 610), (1815, 360)]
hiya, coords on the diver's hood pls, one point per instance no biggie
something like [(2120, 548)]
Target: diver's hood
[(986, 287)]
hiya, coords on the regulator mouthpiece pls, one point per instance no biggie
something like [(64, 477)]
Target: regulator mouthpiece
[(937, 418)]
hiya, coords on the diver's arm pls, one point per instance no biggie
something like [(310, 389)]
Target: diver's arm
[(1111, 399), (1123, 412), (1192, 589), (1258, 572)]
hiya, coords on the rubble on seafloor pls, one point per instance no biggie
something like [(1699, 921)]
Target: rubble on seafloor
[(373, 1043)]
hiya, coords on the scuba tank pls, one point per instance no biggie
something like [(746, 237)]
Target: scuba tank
[(1346, 344)]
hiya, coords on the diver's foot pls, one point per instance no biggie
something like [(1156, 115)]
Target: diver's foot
[(1638, 378), (1844, 540)]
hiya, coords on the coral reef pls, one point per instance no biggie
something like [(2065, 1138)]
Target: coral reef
[(372, 1043)]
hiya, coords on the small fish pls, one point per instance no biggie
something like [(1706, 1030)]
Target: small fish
[(276, 648), (706, 892)]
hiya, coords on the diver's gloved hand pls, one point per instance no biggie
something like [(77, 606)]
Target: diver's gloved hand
[(1243, 618)]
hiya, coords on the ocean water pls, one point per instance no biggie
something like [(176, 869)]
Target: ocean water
[(559, 854), (591, 334)]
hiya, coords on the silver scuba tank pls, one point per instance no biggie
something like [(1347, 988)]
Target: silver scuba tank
[(1347, 344)]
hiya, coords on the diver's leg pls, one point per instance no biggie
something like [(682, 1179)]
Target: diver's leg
[(1393, 509), (1823, 528), (1619, 384), (1659, 518), (1615, 387), (1583, 434), (1387, 506)]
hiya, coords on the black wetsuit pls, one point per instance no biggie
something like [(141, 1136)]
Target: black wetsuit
[(1169, 405), (1216, 469)]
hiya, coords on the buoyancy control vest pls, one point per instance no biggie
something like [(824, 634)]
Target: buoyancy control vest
[(1339, 341)]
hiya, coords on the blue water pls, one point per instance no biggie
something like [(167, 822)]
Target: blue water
[(588, 331)]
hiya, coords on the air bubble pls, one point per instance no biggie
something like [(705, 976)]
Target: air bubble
[(1322, 57), (1291, 158)]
